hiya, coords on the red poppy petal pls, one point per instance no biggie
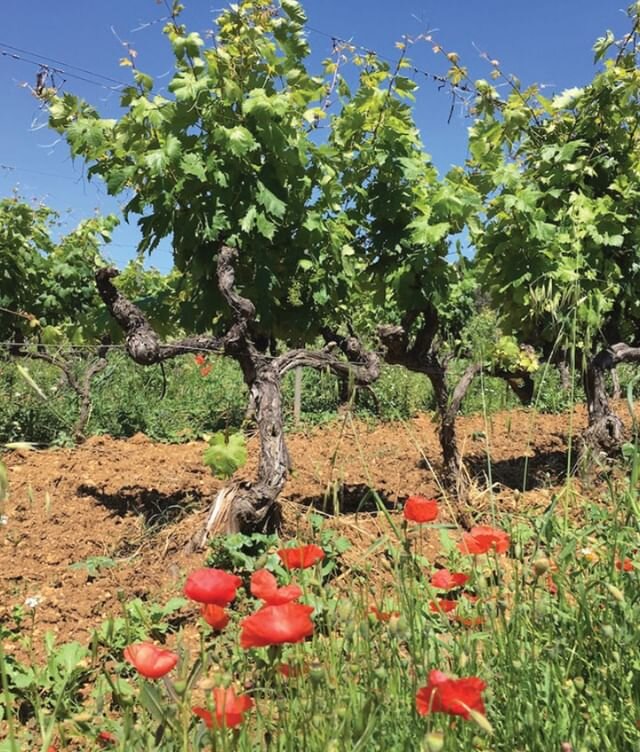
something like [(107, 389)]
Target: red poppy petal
[(149, 660), (215, 616), (420, 510), (208, 585), (301, 557), (275, 625)]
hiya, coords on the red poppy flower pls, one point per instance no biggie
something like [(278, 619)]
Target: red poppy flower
[(418, 509), (215, 616), (383, 615), (482, 539), (444, 694), (150, 660), (626, 565), (212, 586), (443, 579), (301, 557), (106, 737), (275, 625), (229, 709), (200, 360), (443, 604), (205, 370), (265, 586)]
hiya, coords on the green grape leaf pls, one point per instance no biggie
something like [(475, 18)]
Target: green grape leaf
[(225, 455)]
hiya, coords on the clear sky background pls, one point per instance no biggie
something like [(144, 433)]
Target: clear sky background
[(548, 41)]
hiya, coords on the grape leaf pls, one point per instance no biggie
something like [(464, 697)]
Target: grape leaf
[(225, 454)]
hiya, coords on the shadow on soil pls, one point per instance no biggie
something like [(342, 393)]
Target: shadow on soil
[(519, 473), (157, 509), (348, 498)]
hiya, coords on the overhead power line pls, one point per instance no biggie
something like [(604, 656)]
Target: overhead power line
[(7, 53), (14, 168), (61, 62)]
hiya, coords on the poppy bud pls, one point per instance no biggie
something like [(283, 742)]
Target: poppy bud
[(434, 741), (180, 687), (394, 626), (463, 660), (607, 631), (616, 592), (578, 682), (126, 700), (540, 566), (316, 672), (344, 610), (481, 720)]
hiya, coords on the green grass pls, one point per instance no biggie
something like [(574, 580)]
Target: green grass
[(127, 399)]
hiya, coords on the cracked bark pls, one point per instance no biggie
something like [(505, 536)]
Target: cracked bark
[(604, 432)]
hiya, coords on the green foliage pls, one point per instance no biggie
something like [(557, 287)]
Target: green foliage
[(141, 621), (347, 225), (93, 565), (557, 248), (230, 155), (332, 543), (47, 283), (244, 554), (225, 454), (50, 691), (508, 354)]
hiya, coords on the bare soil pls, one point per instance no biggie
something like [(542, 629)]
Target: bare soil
[(140, 502)]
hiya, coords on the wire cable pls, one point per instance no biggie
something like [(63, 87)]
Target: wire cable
[(61, 62)]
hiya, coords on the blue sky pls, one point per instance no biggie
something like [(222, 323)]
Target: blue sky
[(548, 41)]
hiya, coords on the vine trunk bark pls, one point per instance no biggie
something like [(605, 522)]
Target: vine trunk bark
[(250, 507), (604, 432)]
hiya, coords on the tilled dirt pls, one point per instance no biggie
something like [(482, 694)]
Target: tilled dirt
[(139, 503)]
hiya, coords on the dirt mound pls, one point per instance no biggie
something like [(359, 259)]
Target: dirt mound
[(109, 520)]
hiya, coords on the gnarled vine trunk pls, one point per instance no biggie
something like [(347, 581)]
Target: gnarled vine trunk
[(252, 507), (247, 506), (95, 362), (604, 430), (421, 357)]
